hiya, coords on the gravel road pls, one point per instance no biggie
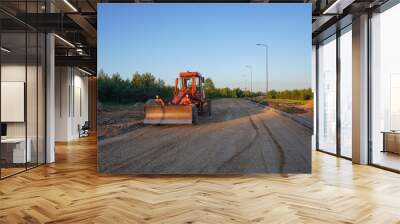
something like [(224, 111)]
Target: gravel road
[(240, 137)]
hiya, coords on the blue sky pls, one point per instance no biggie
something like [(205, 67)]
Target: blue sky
[(218, 40)]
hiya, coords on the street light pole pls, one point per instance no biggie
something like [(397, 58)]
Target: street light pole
[(266, 66), (251, 77), (245, 83)]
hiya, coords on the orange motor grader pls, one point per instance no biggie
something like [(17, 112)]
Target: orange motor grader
[(189, 100)]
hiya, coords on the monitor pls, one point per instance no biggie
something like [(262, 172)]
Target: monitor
[(3, 129)]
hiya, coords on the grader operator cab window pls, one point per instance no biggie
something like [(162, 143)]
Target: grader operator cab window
[(188, 82), (197, 82)]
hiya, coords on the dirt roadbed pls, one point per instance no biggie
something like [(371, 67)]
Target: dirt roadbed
[(240, 137), (114, 120)]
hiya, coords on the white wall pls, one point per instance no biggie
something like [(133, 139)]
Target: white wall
[(33, 126), (80, 110), (62, 81), (16, 72), (70, 84), (9, 73)]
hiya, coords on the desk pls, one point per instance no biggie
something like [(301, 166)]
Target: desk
[(391, 141), (15, 148)]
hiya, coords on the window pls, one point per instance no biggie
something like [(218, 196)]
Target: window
[(385, 89), (327, 95), (346, 92)]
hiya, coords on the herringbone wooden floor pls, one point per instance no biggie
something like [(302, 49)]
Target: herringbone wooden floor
[(70, 191)]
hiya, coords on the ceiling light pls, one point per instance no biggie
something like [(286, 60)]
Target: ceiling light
[(64, 40), (79, 51), (84, 71), (70, 5), (338, 6), (5, 50)]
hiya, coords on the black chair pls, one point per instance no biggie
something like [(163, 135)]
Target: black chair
[(84, 130)]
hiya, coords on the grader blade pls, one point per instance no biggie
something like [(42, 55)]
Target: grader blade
[(169, 114)]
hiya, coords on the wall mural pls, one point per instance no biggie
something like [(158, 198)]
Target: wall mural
[(204, 88)]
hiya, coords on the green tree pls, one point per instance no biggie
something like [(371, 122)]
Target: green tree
[(272, 94), (209, 88)]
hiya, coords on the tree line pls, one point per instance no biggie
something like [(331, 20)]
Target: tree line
[(213, 92), (141, 87), (295, 94)]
